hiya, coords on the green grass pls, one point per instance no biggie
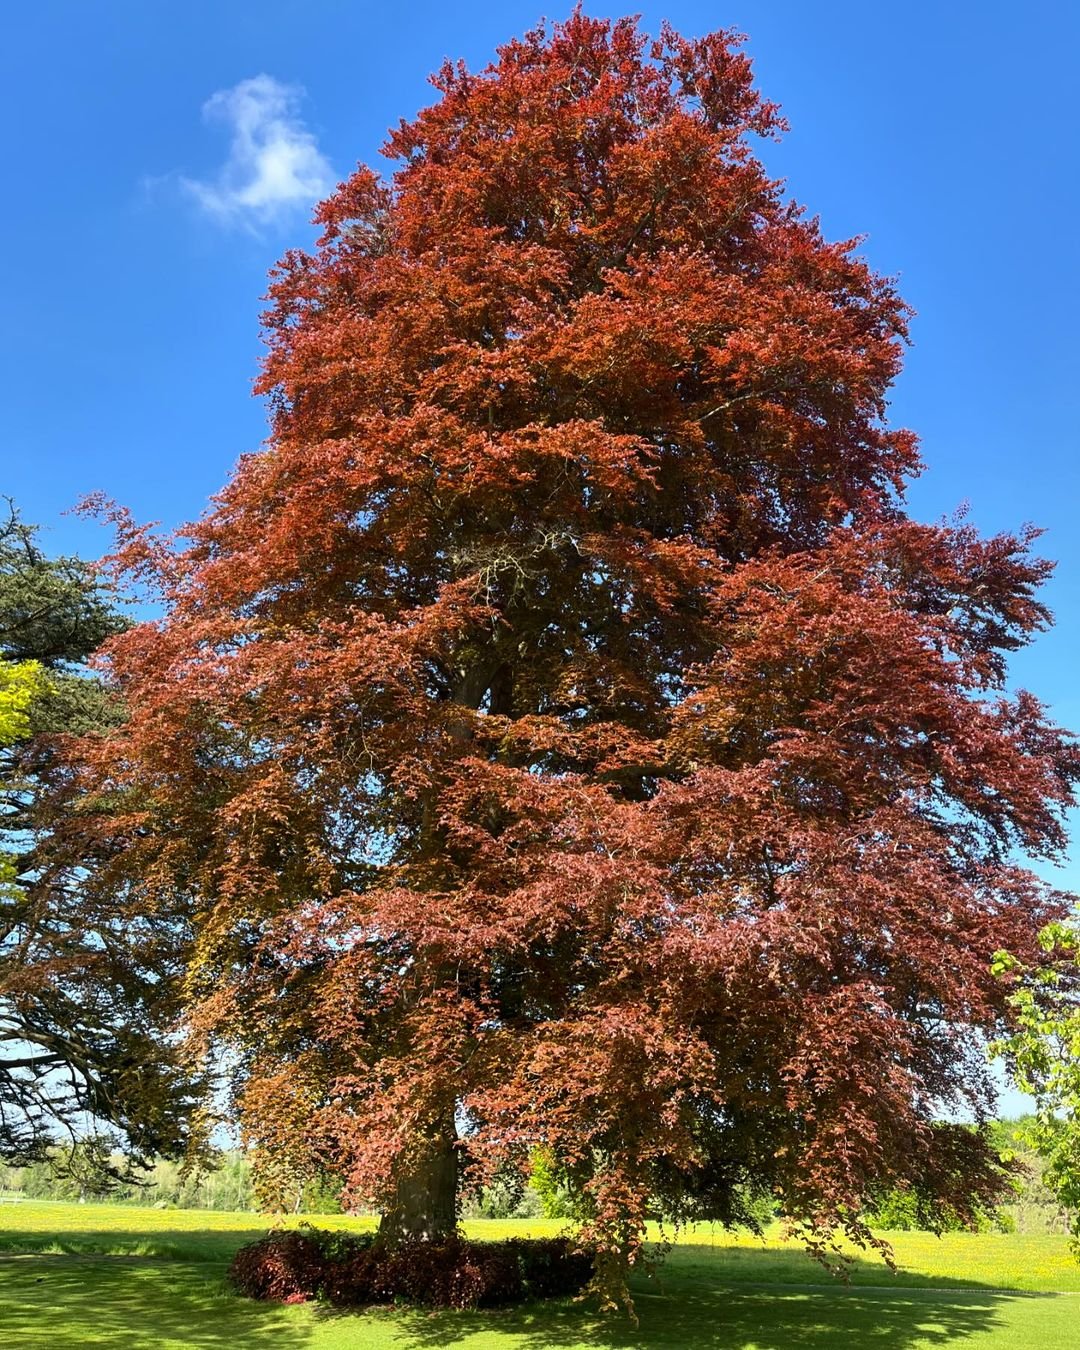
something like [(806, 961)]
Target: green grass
[(136, 1279)]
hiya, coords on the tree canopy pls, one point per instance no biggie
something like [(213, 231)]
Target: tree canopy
[(1042, 1052), (20, 682), (84, 1040), (560, 736)]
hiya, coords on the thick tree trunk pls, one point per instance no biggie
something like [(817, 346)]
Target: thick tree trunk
[(424, 1203), (424, 1207)]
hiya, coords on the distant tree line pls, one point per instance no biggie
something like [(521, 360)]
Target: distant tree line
[(78, 1175), (85, 1173), (1033, 1206)]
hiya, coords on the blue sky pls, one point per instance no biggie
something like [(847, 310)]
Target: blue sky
[(141, 223)]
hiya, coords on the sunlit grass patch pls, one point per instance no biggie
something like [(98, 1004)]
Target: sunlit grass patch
[(1030, 1262)]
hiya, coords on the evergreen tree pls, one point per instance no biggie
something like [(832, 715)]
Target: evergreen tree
[(84, 999)]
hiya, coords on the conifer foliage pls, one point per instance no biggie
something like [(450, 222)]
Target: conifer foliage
[(86, 1052), (560, 736)]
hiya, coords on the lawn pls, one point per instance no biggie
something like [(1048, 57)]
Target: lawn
[(98, 1275)]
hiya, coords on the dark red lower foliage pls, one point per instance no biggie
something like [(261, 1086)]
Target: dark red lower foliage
[(356, 1271), (559, 737), (280, 1268)]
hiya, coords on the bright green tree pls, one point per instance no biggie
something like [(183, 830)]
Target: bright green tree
[(20, 683), (1043, 1057)]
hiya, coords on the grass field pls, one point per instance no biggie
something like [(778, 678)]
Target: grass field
[(98, 1275)]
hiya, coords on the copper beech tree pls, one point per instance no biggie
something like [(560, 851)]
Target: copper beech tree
[(560, 736)]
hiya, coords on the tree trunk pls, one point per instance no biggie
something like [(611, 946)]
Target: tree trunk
[(424, 1207), (424, 1203)]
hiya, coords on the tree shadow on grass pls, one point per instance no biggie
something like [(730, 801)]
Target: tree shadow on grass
[(735, 1319), (690, 1303), (70, 1301), (177, 1244)]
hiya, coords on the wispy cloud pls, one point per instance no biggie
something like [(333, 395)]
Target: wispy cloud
[(274, 165)]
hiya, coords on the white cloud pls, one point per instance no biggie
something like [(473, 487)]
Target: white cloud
[(274, 165)]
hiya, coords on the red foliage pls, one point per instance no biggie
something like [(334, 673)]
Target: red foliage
[(290, 1267), (281, 1267), (449, 1274), (560, 727)]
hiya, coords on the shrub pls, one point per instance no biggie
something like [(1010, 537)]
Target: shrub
[(282, 1267), (457, 1274), (335, 1245), (355, 1279), (451, 1274), (355, 1270), (552, 1267)]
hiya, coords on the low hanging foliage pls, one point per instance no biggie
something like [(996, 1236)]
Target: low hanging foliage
[(355, 1271), (280, 1268), (560, 737)]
